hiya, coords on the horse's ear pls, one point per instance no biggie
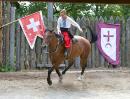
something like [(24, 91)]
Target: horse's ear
[(50, 30), (46, 30)]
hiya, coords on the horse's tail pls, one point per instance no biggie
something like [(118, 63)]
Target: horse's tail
[(93, 35)]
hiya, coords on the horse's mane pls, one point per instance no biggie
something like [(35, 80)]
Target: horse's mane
[(59, 37), (50, 30)]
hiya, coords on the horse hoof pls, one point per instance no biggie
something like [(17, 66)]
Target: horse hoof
[(63, 73), (49, 82), (80, 78)]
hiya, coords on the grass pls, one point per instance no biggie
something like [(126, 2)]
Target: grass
[(7, 68)]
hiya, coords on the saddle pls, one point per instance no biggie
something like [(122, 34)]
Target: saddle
[(61, 39)]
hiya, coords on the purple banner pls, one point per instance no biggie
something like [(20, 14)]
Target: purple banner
[(109, 42)]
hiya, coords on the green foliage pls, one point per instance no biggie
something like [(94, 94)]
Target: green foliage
[(31, 8), (76, 9), (37, 6), (7, 68), (113, 10), (126, 10), (22, 10)]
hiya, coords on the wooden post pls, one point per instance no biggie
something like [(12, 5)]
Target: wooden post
[(50, 21), (122, 40), (18, 47), (50, 15), (7, 33), (33, 58), (93, 45), (88, 21), (102, 60), (12, 35), (97, 53), (0, 33), (27, 56), (4, 31), (22, 50), (128, 41)]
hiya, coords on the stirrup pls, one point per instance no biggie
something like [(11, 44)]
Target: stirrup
[(65, 54)]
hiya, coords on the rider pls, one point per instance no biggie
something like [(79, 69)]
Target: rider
[(63, 25)]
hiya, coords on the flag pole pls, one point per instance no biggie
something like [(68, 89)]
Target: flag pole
[(8, 23)]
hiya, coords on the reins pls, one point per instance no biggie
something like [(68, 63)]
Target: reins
[(57, 47)]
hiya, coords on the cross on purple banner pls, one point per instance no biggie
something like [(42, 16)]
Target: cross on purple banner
[(108, 36)]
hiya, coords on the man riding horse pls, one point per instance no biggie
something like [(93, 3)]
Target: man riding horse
[(63, 26), (57, 54)]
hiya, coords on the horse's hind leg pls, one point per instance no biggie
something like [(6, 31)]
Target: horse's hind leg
[(49, 78), (83, 63), (70, 63)]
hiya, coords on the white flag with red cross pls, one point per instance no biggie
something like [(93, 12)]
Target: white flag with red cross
[(32, 26), (109, 42)]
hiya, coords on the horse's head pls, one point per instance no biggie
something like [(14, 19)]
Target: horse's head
[(50, 36)]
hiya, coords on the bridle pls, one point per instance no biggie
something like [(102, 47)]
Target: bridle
[(48, 38)]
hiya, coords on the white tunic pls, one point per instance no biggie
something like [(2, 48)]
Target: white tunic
[(69, 22)]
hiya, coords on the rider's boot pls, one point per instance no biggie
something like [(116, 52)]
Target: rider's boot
[(66, 52)]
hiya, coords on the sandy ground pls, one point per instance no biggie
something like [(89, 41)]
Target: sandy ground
[(97, 84)]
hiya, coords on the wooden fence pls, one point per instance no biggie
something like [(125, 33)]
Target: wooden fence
[(17, 53)]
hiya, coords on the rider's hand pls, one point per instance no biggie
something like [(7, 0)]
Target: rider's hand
[(59, 32), (80, 29)]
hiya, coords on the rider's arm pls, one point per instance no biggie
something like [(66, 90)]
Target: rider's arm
[(58, 26), (74, 23)]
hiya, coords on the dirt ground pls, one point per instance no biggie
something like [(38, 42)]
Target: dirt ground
[(97, 84)]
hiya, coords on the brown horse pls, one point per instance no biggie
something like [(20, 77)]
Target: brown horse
[(56, 52)]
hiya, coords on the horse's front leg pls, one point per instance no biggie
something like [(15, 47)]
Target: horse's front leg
[(69, 65), (59, 74), (49, 75)]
